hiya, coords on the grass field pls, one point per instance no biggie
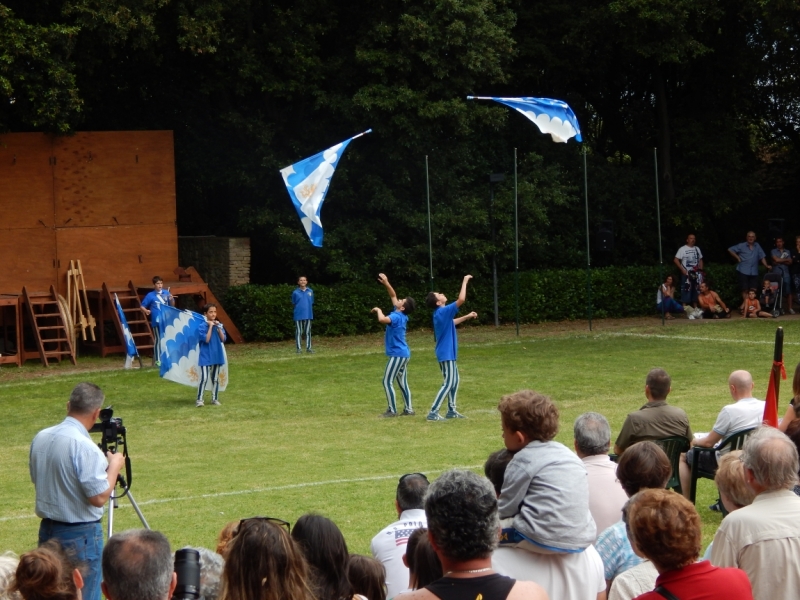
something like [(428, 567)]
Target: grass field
[(302, 433)]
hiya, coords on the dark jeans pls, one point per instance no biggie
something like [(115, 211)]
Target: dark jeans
[(86, 541)]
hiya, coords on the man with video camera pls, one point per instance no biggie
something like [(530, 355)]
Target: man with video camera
[(73, 481)]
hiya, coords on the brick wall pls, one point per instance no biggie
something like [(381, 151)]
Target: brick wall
[(221, 261)]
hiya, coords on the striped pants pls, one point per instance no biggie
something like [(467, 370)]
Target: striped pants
[(209, 375), (449, 387), (299, 328), (396, 371), (156, 345)]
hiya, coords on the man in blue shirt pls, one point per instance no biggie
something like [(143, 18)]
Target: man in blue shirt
[(73, 481), (151, 305), (396, 349), (303, 300), (444, 329), (748, 254)]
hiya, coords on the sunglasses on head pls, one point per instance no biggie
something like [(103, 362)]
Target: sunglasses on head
[(279, 522)]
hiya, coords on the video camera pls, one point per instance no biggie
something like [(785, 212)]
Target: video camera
[(113, 436)]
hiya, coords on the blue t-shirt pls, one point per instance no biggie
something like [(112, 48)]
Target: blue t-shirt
[(303, 301), (153, 302), (211, 352), (396, 335), (615, 549), (445, 331), (750, 258), (781, 268)]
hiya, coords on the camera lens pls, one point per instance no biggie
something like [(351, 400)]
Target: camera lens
[(187, 567)]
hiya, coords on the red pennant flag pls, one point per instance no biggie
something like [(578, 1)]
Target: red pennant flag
[(771, 406)]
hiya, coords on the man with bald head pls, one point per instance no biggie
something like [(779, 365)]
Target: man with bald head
[(745, 413), (763, 539)]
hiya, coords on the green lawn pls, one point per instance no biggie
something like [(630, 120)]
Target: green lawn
[(302, 433)]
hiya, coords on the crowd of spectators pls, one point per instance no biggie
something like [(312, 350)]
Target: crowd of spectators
[(544, 522)]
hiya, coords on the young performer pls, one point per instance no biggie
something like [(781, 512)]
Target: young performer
[(151, 305), (444, 328), (396, 349), (303, 300), (211, 354)]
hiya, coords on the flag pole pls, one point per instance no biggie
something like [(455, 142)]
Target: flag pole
[(360, 134), (430, 238), (588, 248), (516, 243), (660, 255)]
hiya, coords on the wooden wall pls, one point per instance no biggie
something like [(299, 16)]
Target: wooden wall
[(106, 198)]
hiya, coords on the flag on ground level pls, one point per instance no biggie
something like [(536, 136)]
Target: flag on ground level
[(553, 117), (180, 347), (307, 182), (771, 404), (130, 345)]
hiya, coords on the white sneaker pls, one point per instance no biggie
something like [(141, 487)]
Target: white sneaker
[(691, 317), (199, 403)]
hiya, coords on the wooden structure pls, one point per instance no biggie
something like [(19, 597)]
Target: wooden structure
[(11, 323), (102, 300), (50, 326), (78, 301)]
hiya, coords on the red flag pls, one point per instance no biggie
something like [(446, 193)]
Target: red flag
[(771, 406)]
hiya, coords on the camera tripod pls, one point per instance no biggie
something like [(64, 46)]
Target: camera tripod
[(114, 504)]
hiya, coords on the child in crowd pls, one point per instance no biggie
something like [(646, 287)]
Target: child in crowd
[(752, 307), (212, 354), (544, 502), (303, 300), (151, 305), (768, 297), (396, 349)]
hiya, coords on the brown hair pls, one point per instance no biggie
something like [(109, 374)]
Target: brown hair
[(225, 536), (658, 381), (665, 527), (367, 576), (796, 386), (46, 573), (643, 465), (530, 412), (730, 479)]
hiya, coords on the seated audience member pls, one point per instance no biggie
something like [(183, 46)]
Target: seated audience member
[(566, 576), (367, 576), (655, 420), (752, 306), (225, 536), (8, 567), (325, 550), (263, 561), (389, 545), (644, 465), (665, 302), (138, 565), (745, 413), (763, 539), (211, 567), (794, 434), (711, 304), (462, 526), (48, 573), (793, 410), (635, 581), (424, 567), (767, 298), (606, 496), (665, 527), (545, 498)]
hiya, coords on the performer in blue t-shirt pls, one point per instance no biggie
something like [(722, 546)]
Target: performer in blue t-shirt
[(396, 349), (444, 328), (212, 356), (151, 305), (303, 300)]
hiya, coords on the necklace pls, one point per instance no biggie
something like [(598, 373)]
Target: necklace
[(483, 570)]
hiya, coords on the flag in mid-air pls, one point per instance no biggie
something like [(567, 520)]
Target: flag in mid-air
[(553, 117), (307, 182), (180, 347), (130, 345)]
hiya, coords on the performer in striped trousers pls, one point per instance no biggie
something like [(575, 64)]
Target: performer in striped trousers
[(303, 300)]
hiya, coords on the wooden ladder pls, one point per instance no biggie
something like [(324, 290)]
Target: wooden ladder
[(138, 322), (49, 328)]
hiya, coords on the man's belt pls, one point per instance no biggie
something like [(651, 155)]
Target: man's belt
[(62, 524)]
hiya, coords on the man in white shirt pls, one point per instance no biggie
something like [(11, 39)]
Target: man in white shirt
[(389, 545), (745, 413), (763, 539), (689, 260)]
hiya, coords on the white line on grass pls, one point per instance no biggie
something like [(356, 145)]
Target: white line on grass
[(275, 488), (696, 338)]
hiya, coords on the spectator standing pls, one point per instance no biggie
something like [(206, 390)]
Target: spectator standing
[(689, 260), (138, 565), (748, 254), (782, 260), (794, 270)]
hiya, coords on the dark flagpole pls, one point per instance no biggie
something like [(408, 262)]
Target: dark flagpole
[(660, 255), (430, 238), (516, 243), (588, 248)]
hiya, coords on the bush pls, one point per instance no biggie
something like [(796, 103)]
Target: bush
[(264, 312)]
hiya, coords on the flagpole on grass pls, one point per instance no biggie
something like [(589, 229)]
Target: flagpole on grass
[(588, 247), (516, 244), (430, 238), (660, 255), (774, 387)]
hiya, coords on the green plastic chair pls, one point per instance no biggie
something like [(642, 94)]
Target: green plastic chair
[(673, 447), (734, 441)]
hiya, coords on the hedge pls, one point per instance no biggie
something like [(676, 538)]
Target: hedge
[(264, 313)]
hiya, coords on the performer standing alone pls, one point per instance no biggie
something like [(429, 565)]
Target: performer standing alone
[(212, 356), (396, 349), (303, 300), (151, 305)]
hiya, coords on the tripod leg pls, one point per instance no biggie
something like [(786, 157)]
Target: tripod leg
[(111, 506), (138, 510)]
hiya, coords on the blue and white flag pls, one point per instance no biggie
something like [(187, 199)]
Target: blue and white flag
[(130, 345), (307, 182), (553, 117), (180, 347)]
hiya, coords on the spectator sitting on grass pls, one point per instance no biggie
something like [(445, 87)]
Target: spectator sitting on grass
[(712, 305)]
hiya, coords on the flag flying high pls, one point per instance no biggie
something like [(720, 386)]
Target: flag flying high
[(180, 347), (553, 117), (130, 345), (307, 182)]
